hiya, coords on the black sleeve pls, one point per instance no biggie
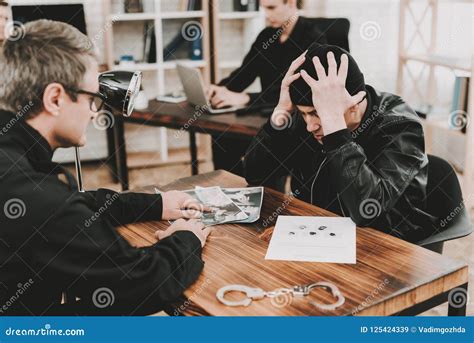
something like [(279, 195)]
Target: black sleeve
[(268, 155), (90, 259), (382, 181), (124, 208), (243, 76)]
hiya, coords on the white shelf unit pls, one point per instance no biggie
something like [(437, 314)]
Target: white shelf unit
[(239, 15), (159, 77), (242, 27), (432, 60), (157, 81)]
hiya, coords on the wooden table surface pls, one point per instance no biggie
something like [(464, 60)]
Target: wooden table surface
[(391, 276), (183, 115)]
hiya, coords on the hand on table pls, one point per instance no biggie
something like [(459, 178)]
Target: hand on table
[(192, 225), (177, 205)]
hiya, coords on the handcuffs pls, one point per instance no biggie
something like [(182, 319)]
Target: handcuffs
[(296, 291)]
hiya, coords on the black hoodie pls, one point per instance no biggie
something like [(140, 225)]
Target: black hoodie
[(54, 239), (376, 175)]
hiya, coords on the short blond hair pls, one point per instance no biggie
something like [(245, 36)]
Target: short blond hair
[(48, 51)]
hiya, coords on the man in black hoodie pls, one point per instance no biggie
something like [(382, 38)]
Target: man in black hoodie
[(53, 239), (286, 37), (349, 148)]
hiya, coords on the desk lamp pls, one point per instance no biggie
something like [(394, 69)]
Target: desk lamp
[(119, 89)]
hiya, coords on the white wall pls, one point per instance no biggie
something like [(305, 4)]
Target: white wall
[(376, 57)]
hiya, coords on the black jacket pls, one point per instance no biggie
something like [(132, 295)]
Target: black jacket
[(269, 59), (54, 239), (376, 174)]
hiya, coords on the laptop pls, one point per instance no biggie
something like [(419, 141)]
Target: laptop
[(193, 86)]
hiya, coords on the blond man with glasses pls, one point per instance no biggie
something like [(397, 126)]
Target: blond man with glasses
[(57, 240)]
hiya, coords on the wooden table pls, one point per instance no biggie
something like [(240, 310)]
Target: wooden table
[(391, 276), (180, 116)]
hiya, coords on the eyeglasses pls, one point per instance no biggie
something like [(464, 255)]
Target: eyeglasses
[(96, 100)]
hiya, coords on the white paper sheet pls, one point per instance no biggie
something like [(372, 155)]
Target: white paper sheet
[(313, 239)]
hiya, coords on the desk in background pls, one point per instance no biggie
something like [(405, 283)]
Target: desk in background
[(391, 276), (180, 116)]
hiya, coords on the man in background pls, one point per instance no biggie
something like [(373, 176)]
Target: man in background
[(285, 38)]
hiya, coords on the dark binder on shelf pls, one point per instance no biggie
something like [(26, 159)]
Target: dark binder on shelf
[(460, 95), (194, 47), (149, 43), (195, 50)]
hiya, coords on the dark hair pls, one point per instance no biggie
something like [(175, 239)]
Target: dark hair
[(300, 92), (299, 3)]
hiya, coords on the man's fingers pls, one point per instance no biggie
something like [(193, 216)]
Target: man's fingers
[(221, 103), (196, 224), (309, 80), (293, 78), (159, 234), (215, 99), (332, 65), (358, 97), (206, 208), (207, 231), (296, 64), (162, 234), (303, 54), (191, 213), (319, 68), (187, 201), (343, 67), (212, 90)]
